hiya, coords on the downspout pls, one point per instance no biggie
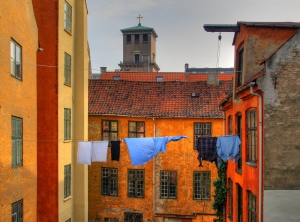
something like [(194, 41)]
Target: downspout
[(153, 179), (260, 151)]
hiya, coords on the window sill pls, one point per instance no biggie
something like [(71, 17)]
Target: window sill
[(68, 32), (136, 42), (239, 171), (128, 42), (145, 42), (67, 84), (67, 198), (67, 141), (250, 163)]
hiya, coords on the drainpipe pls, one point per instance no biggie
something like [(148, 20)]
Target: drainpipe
[(260, 151), (153, 180)]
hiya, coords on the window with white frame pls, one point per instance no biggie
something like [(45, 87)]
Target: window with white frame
[(15, 60), (67, 74), (17, 211)]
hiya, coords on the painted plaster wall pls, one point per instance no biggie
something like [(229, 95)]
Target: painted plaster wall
[(53, 96), (179, 157), (18, 98), (247, 178)]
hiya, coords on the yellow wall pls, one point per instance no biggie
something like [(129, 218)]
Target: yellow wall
[(18, 98), (180, 157), (75, 98)]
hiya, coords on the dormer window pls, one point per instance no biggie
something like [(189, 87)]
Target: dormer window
[(159, 79), (240, 67)]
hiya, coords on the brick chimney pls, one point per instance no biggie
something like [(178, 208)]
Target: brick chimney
[(212, 77)]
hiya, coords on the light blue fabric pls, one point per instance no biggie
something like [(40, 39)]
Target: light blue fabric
[(141, 150), (228, 147)]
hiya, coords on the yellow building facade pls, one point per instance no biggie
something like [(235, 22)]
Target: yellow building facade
[(18, 111)]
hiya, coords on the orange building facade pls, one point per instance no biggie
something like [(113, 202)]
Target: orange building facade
[(18, 112), (160, 109), (248, 114)]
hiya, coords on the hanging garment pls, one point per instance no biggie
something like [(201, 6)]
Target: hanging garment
[(84, 153), (89, 152), (141, 150), (206, 147), (115, 150), (228, 147), (99, 151)]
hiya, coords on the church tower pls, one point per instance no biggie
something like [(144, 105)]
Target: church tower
[(139, 49)]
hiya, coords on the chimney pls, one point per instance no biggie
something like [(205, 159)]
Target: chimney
[(186, 66), (212, 77), (102, 70)]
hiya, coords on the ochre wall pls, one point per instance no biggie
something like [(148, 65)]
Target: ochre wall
[(180, 157), (18, 98)]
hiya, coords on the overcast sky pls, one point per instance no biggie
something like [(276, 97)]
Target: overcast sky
[(179, 26)]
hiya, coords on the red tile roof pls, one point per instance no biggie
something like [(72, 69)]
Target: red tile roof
[(156, 99)]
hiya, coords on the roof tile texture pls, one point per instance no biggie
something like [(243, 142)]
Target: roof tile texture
[(157, 99)]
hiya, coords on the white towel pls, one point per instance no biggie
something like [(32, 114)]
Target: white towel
[(99, 153), (84, 153)]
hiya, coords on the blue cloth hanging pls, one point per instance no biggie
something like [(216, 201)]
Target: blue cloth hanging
[(141, 150)]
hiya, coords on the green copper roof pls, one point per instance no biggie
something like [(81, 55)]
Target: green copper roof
[(139, 28)]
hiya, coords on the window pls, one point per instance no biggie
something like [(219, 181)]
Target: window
[(230, 198), (145, 37), (240, 67), (137, 58), (201, 185), (136, 183), (67, 69), (251, 135), (17, 211), (168, 184), (109, 181), (68, 17), (229, 125), (133, 217), (15, 60), (145, 58), (159, 79), (136, 38), (239, 203), (128, 38), (109, 130), (116, 77), (136, 129), (17, 141), (239, 133), (67, 181), (251, 207), (201, 130), (67, 124)]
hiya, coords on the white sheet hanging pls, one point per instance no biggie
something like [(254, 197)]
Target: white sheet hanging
[(92, 151), (84, 153), (99, 151)]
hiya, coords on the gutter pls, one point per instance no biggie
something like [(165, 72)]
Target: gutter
[(153, 179), (260, 151)]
